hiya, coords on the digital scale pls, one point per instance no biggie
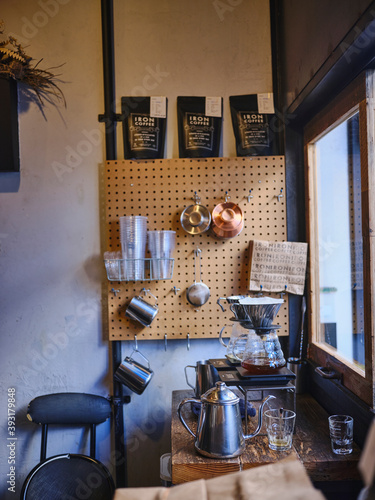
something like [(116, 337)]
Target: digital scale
[(234, 375)]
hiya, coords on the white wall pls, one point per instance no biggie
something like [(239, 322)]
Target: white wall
[(52, 327)]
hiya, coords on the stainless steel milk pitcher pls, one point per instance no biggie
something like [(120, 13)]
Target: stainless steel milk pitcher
[(206, 376)]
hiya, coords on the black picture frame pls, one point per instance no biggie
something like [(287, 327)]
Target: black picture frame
[(9, 136)]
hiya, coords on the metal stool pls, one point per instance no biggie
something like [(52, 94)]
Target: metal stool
[(72, 476)]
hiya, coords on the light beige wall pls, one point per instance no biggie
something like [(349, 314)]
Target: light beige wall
[(51, 337), (195, 47)]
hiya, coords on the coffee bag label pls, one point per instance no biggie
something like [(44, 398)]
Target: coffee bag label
[(158, 106), (265, 103), (199, 131), (213, 106), (144, 132), (254, 129)]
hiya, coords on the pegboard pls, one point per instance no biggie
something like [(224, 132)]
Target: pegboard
[(161, 190)]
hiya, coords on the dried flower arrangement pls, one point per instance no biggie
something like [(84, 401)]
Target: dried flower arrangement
[(16, 64)]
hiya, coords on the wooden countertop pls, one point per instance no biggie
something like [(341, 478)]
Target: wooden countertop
[(311, 445)]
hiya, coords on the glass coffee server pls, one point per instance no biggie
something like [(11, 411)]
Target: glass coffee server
[(254, 351)]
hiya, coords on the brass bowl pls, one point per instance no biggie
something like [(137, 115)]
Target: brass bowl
[(227, 220), (227, 216)]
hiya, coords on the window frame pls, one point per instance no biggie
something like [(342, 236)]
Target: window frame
[(360, 93)]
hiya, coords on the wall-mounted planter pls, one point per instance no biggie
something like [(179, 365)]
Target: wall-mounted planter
[(9, 145)]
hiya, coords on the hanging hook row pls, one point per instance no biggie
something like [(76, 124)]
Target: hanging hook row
[(281, 293)]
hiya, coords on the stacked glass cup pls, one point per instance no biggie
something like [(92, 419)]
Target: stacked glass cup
[(133, 237), (161, 245)]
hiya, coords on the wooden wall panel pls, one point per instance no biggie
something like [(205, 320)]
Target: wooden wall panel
[(161, 190)]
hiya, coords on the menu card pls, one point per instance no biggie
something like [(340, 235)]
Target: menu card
[(277, 266)]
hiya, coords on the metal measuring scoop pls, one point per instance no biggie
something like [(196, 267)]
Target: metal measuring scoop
[(198, 293)]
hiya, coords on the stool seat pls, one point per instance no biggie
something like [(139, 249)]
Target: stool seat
[(69, 408)]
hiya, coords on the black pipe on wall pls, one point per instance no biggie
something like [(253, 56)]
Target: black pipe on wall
[(109, 118)]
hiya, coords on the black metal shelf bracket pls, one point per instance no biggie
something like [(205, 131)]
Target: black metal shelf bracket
[(110, 119)]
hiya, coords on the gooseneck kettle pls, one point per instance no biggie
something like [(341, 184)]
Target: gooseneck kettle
[(219, 431)]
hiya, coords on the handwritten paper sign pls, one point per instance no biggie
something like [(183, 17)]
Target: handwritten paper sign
[(277, 266)]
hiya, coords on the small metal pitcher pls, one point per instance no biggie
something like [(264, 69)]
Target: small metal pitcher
[(133, 374), (219, 431), (206, 376), (141, 311)]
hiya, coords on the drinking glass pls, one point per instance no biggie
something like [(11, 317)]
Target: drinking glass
[(133, 234), (111, 261), (161, 245), (280, 427), (341, 433)]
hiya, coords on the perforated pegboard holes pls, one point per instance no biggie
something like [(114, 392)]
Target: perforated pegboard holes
[(161, 190)]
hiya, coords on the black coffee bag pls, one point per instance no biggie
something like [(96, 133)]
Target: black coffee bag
[(256, 133), (198, 134), (144, 135)]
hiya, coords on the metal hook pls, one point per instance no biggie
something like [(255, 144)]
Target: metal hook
[(280, 195), (136, 343), (146, 291), (188, 342), (227, 197), (261, 291), (249, 196), (165, 342), (115, 291), (284, 292), (196, 198), (176, 290)]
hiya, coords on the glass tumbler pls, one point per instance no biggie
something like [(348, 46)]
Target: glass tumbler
[(341, 433), (280, 427)]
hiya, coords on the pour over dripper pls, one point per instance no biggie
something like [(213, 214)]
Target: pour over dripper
[(257, 311), (262, 353)]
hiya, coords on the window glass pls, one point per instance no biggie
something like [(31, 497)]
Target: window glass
[(339, 231)]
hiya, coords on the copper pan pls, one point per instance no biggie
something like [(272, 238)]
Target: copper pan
[(220, 233), (227, 220)]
